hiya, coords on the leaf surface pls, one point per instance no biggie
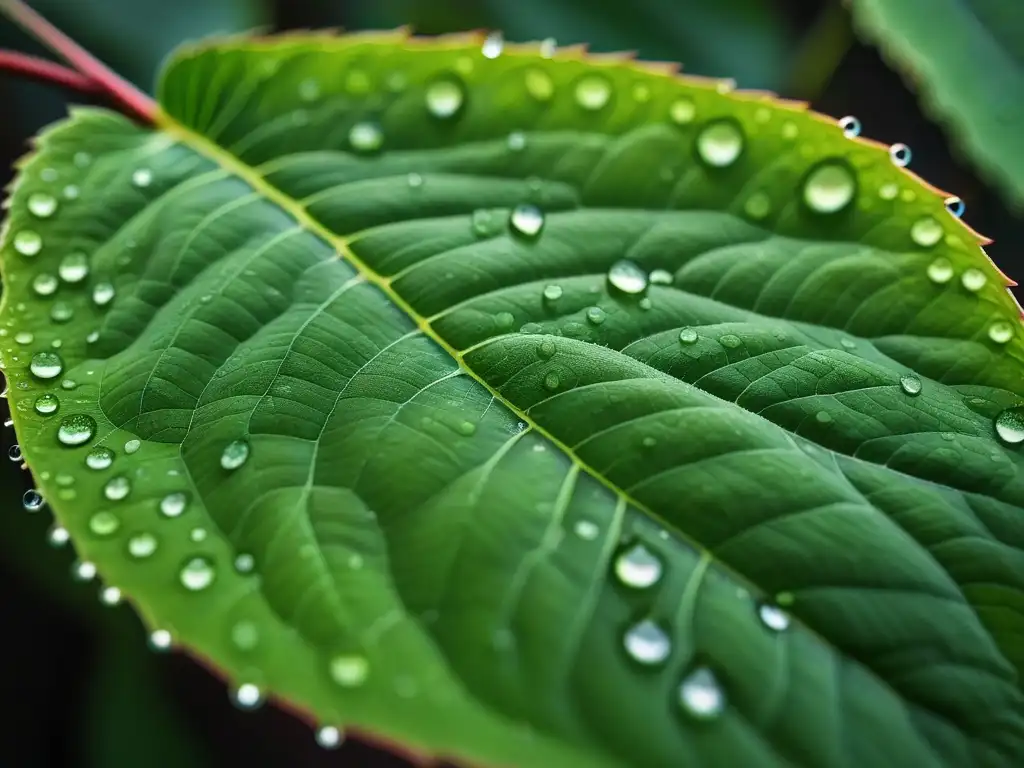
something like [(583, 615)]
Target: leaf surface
[(537, 412)]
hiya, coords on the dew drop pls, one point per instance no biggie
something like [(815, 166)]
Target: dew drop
[(366, 136), (24, 337), (76, 429), (49, 174), (235, 454), (758, 205), (245, 636), (888, 191), (516, 141), (110, 595), (850, 126), (552, 293), (647, 643), (197, 535), (481, 221), (414, 180), (526, 220), (42, 205), (46, 404), (445, 98), (955, 206), (973, 279), (687, 336), (44, 284), (627, 277), (539, 84), (28, 243), (99, 457), (682, 111), (940, 271), (173, 504), (926, 232), (701, 695), (329, 737), (638, 567), (586, 530), (74, 267), (247, 696), (142, 177), (244, 563), (493, 45), (58, 536), (70, 192), (131, 446), (593, 92), (720, 143), (730, 341), (14, 454), (309, 90), (661, 277), (1010, 425), (349, 671), (197, 574), (82, 159), (142, 545), (32, 500), (1000, 331), (900, 155), (117, 488), (46, 365), (829, 188), (595, 315), (552, 381), (911, 385), (160, 640), (104, 523), (773, 617), (102, 294)]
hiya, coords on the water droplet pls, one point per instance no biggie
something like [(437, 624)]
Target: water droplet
[(595, 315), (173, 504), (42, 205), (99, 457), (415, 181), (493, 45), (117, 488), (142, 545), (539, 84), (235, 454), (70, 192), (850, 126), (28, 243), (638, 567), (309, 90), (247, 696), (68, 384), (32, 500), (349, 671), (93, 337), (244, 563), (627, 277), (720, 143), (552, 381), (682, 111), (829, 188), (197, 574), (14, 454), (888, 191), (955, 206), (926, 232), (647, 643), (1010, 425), (245, 635), (900, 155), (49, 174), (1000, 331), (366, 136), (973, 279), (46, 404), (44, 284), (104, 523), (102, 294), (940, 270), (445, 98), (83, 571), (58, 536), (110, 595), (74, 267), (160, 639), (730, 341), (687, 336), (142, 177), (593, 92), (773, 617), (197, 535), (517, 141), (131, 446), (701, 695), (758, 205), (911, 385), (61, 312), (586, 530), (46, 365), (329, 737), (823, 417), (552, 292), (76, 429), (24, 337), (526, 220), (82, 159)]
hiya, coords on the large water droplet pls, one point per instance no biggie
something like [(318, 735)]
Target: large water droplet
[(42, 205), (247, 696), (720, 143), (235, 454), (46, 404), (900, 155), (773, 617), (142, 545), (701, 695), (76, 429), (926, 232), (638, 567), (850, 126), (1001, 331), (366, 136), (329, 737), (74, 267), (829, 188), (197, 574), (28, 243), (104, 523), (117, 488), (99, 457), (682, 111), (526, 220), (940, 271), (647, 643), (955, 206), (910, 384), (173, 504), (32, 500), (445, 98), (102, 294), (349, 671), (627, 277), (973, 279), (593, 92), (493, 45), (46, 365), (1010, 425)]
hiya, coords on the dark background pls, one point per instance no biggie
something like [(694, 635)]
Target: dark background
[(80, 687)]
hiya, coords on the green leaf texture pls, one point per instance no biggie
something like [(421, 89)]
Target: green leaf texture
[(966, 58), (534, 410)]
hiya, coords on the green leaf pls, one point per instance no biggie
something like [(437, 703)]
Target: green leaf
[(966, 58), (533, 411)]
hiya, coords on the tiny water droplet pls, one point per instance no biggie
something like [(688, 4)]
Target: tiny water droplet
[(244, 563), (99, 457), (142, 545), (329, 737), (93, 337), (888, 191), (682, 111), (539, 84), (848, 343), (42, 205), (349, 671), (197, 535), (76, 429), (911, 385), (117, 488), (638, 567), (552, 293), (70, 192), (28, 243), (823, 417), (1000, 331), (526, 220), (586, 530), (850, 126), (32, 500), (595, 315), (58, 536), (1010, 425), (197, 574), (758, 205), (173, 504), (131, 446), (160, 640), (83, 570), (926, 232), (142, 177), (829, 188), (955, 206), (552, 381), (235, 454), (940, 271), (309, 90), (647, 643), (701, 695), (68, 384), (414, 180), (14, 454), (247, 696), (493, 45), (46, 365), (102, 294), (445, 98), (82, 159), (104, 523), (973, 279), (593, 92), (366, 136), (49, 174), (44, 284), (245, 636), (46, 404), (74, 267), (627, 277), (110, 595), (516, 141), (900, 155), (773, 617), (720, 143)]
